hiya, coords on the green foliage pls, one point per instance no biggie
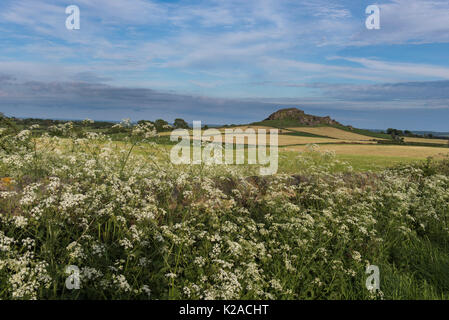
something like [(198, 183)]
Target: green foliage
[(286, 123), (365, 132), (162, 125), (302, 134), (180, 124)]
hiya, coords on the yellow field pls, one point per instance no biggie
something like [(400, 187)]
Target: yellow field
[(343, 142), (285, 140), (249, 127), (424, 140), (167, 133), (379, 150), (333, 133), (288, 140)]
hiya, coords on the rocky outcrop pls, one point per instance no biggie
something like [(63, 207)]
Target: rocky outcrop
[(301, 117)]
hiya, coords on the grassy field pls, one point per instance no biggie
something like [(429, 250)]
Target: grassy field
[(412, 152), (302, 136), (427, 140), (332, 132), (136, 226), (345, 162), (282, 124)]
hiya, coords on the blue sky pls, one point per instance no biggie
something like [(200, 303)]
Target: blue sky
[(232, 61)]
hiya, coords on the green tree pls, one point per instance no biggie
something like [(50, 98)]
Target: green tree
[(161, 125), (145, 122), (180, 124)]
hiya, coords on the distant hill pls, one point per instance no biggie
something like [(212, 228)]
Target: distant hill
[(294, 117), (300, 117)]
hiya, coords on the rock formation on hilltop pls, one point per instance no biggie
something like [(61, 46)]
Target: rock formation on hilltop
[(301, 117)]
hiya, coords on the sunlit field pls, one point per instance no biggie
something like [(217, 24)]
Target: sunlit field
[(139, 227), (333, 133), (405, 152), (422, 140)]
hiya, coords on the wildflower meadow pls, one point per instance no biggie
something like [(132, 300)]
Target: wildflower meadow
[(135, 226)]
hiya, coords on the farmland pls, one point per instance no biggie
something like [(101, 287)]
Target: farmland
[(361, 151), (405, 152), (425, 140), (333, 133)]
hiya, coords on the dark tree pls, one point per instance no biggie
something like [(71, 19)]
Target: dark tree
[(180, 124), (161, 125), (144, 122)]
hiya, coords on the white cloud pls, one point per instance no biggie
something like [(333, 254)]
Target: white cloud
[(398, 68), (409, 21)]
